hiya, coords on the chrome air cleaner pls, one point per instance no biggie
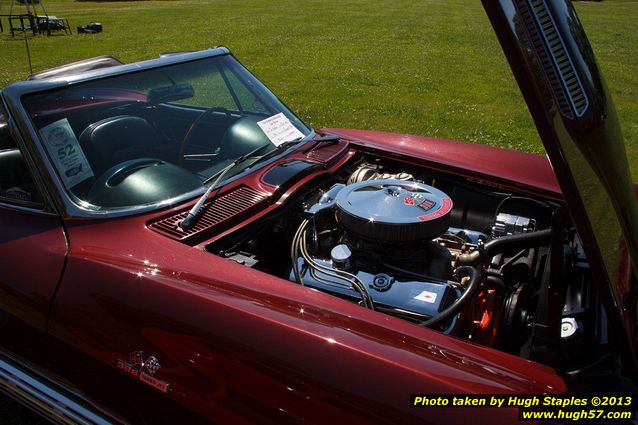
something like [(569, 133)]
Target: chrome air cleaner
[(393, 210)]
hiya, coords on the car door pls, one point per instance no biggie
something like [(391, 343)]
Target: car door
[(32, 241)]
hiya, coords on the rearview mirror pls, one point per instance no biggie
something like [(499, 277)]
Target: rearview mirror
[(171, 93)]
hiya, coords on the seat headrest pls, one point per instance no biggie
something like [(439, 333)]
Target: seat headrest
[(116, 139), (241, 137), (120, 130)]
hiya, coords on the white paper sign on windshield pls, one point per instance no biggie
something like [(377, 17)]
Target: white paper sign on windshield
[(66, 152), (279, 129)]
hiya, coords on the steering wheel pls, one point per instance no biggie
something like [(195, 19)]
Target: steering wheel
[(195, 124)]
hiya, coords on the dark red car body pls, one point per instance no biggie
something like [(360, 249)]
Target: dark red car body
[(237, 345), (228, 336)]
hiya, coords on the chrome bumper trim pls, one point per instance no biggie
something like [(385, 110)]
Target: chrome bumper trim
[(52, 403)]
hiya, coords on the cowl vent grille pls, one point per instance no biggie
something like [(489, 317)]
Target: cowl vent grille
[(325, 154), (562, 77), (213, 213)]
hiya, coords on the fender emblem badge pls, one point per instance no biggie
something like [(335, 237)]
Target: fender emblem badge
[(143, 370)]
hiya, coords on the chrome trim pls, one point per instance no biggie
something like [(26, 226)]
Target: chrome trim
[(47, 401), (24, 208), (559, 68), (18, 89)]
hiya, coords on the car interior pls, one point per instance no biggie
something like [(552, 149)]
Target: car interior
[(154, 135), (169, 146)]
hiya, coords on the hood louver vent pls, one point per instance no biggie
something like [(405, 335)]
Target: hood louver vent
[(563, 80), (212, 214)]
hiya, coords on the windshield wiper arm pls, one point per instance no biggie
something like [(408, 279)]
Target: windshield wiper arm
[(189, 220), (200, 156)]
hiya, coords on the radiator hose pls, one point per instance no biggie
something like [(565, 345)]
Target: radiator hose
[(504, 244), (464, 271)]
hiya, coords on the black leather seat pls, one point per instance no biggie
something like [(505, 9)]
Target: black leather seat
[(241, 137), (118, 139)]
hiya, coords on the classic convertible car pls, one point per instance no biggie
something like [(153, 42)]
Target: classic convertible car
[(177, 246)]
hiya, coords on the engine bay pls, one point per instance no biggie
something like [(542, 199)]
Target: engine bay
[(481, 263)]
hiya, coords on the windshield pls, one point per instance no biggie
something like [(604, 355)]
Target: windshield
[(153, 135)]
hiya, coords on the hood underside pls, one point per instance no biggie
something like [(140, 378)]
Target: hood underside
[(555, 68)]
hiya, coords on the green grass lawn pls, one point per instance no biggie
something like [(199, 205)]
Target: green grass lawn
[(429, 67)]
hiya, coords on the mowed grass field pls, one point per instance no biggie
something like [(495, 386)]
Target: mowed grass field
[(430, 67)]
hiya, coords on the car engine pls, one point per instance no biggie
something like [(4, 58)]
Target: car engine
[(374, 242), (476, 263)]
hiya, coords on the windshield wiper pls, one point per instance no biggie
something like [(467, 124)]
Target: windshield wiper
[(189, 220), (199, 157)]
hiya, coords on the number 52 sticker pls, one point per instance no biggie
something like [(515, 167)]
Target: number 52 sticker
[(66, 152)]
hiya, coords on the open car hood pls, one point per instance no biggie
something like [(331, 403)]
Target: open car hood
[(555, 68)]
